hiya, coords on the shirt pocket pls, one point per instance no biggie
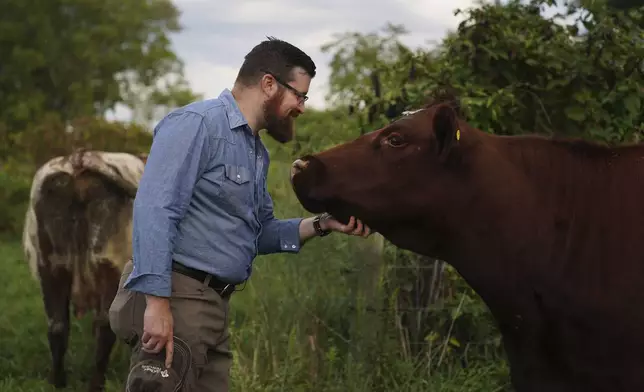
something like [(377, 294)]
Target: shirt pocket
[(231, 187), (240, 175), (237, 187)]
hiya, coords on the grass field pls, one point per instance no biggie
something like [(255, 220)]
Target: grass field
[(24, 357), (263, 363)]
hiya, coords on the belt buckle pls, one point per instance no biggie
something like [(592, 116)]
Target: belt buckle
[(224, 291)]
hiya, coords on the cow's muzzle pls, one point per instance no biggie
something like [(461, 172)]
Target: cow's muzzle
[(309, 167), (308, 181), (297, 167)]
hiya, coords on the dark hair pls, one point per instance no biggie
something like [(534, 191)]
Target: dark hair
[(276, 57)]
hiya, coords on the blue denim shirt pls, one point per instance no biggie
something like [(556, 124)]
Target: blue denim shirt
[(202, 199)]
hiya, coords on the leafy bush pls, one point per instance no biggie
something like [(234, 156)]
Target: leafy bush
[(15, 183)]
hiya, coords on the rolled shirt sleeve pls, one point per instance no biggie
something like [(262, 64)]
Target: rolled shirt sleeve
[(179, 155)]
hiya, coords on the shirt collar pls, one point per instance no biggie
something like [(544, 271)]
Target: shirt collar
[(235, 117)]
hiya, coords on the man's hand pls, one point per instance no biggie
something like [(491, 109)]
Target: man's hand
[(354, 227), (158, 327)]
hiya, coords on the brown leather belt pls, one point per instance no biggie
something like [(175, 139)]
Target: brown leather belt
[(222, 288)]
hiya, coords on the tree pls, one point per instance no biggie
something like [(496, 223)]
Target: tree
[(518, 72), (81, 57), (369, 73), (358, 57)]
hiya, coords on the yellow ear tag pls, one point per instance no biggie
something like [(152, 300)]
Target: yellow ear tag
[(458, 134)]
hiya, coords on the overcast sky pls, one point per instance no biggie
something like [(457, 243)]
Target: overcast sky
[(217, 34)]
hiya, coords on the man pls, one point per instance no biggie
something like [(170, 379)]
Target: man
[(202, 213)]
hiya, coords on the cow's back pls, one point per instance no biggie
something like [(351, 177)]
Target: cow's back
[(79, 220)]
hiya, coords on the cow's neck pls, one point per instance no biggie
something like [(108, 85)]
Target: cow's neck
[(493, 233), (497, 253), (494, 248)]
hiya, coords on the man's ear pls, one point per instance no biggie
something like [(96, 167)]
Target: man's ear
[(268, 85), (446, 130)]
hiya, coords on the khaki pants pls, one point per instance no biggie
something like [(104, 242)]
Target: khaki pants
[(200, 318)]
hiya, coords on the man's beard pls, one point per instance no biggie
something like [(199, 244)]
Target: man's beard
[(280, 128)]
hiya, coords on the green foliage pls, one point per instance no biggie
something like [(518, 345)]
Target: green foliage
[(517, 72), (15, 182), (80, 58), (625, 4), (358, 57), (50, 138)]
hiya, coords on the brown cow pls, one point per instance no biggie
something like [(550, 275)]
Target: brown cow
[(548, 232), (77, 237)]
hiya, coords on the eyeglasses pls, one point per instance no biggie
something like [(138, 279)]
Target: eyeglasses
[(300, 95)]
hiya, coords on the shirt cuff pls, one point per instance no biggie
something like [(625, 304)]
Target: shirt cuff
[(289, 235), (152, 284)]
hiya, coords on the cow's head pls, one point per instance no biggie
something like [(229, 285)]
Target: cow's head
[(406, 174)]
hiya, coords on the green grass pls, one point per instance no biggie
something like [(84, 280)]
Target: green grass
[(300, 324), (25, 359)]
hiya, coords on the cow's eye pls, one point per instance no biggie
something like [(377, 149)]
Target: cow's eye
[(395, 140)]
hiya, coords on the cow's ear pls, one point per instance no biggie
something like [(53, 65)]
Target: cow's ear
[(446, 130)]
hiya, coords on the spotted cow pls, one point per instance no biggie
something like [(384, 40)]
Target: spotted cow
[(77, 237)]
